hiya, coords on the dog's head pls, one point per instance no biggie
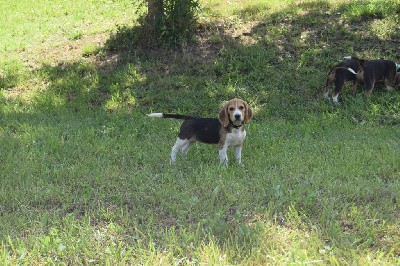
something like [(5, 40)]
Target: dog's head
[(360, 63), (236, 112)]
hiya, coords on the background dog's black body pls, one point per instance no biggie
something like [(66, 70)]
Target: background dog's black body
[(372, 71)]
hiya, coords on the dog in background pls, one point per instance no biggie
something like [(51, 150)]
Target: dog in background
[(339, 74), (227, 130), (372, 71)]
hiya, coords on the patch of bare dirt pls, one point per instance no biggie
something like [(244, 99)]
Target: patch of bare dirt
[(65, 51)]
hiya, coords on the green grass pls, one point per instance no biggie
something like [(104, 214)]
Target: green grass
[(85, 176), (25, 25)]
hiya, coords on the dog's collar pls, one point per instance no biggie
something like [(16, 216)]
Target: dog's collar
[(235, 126)]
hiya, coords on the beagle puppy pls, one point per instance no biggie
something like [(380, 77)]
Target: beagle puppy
[(372, 71), (339, 74), (227, 130)]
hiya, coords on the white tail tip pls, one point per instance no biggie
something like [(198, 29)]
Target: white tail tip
[(159, 115), (347, 57), (351, 70)]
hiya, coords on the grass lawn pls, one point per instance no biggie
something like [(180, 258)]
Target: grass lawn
[(85, 176)]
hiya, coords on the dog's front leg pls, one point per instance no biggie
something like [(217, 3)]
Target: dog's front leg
[(354, 87), (238, 154), (223, 156)]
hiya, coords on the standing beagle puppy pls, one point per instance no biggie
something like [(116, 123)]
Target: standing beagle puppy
[(372, 71), (227, 130), (341, 73)]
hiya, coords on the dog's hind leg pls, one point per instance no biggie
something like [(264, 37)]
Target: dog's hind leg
[(329, 81), (338, 87), (396, 82), (369, 84), (177, 146), (369, 89), (185, 148), (326, 92), (389, 83)]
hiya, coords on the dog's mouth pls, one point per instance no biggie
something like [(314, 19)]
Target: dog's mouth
[(237, 121)]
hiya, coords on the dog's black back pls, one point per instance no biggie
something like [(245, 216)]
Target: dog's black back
[(379, 69), (205, 130), (372, 71)]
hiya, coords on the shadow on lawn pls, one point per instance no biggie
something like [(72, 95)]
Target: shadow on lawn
[(279, 66)]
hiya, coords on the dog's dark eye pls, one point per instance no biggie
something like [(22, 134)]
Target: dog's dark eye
[(241, 107), (231, 108)]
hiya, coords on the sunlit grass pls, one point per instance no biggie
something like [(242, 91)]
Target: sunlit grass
[(56, 23), (249, 9)]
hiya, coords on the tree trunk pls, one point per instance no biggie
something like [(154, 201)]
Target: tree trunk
[(153, 20)]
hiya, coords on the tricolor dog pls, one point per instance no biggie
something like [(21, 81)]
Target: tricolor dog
[(339, 74), (372, 71), (227, 130)]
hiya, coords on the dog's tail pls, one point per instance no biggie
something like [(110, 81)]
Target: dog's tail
[(351, 70), (175, 116), (333, 70)]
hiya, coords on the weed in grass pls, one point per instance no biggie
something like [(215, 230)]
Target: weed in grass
[(11, 73), (75, 35), (90, 50)]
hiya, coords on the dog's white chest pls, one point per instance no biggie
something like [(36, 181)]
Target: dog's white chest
[(235, 137)]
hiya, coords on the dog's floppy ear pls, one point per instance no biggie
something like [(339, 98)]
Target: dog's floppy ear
[(248, 114), (223, 115), (360, 62)]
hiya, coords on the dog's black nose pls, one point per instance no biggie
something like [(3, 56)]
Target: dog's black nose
[(237, 116)]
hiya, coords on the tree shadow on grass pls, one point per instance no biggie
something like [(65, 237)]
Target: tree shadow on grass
[(279, 65)]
